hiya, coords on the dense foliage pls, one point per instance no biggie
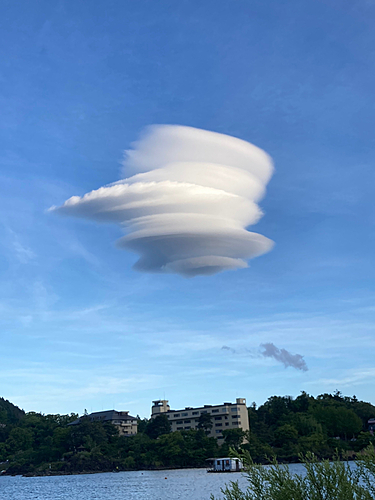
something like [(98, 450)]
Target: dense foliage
[(9, 413), (33, 443), (321, 480), (39, 444), (285, 427)]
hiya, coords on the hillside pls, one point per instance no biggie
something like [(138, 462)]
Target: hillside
[(284, 427), (9, 413)]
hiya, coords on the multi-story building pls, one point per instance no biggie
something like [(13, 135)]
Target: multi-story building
[(225, 416), (371, 425), (125, 423)]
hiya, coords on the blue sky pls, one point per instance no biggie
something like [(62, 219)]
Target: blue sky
[(79, 82)]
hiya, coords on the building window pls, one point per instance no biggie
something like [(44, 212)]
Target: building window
[(184, 414), (218, 425), (186, 421), (180, 428), (226, 423), (187, 427), (218, 431), (215, 411), (233, 409), (176, 415), (217, 418), (179, 422), (235, 416), (195, 413)]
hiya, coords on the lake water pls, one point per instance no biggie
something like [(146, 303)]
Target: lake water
[(186, 484)]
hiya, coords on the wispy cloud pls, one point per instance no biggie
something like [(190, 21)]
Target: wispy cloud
[(19, 249), (81, 251), (195, 344), (24, 254), (346, 378), (49, 386), (241, 351), (187, 208)]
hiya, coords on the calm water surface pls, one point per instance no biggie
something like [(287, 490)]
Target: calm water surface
[(187, 484)]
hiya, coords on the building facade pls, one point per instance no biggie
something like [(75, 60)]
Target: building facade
[(371, 425), (125, 423), (223, 417)]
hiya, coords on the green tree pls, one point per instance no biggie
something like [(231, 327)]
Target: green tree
[(141, 423), (286, 434), (19, 439), (234, 437), (301, 403), (158, 426), (338, 420), (205, 422)]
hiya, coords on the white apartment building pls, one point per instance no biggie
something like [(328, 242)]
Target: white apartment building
[(225, 416)]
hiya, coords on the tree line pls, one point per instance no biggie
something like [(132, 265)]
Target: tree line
[(283, 427)]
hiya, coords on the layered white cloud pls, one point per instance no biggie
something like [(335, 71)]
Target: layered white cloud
[(186, 208)]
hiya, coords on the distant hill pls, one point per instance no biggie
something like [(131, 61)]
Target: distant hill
[(9, 413)]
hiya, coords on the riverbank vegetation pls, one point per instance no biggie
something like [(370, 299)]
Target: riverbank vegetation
[(321, 480), (33, 443), (285, 427)]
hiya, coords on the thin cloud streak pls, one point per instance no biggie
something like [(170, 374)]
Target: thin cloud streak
[(270, 351), (49, 387), (20, 251), (188, 205), (347, 378)]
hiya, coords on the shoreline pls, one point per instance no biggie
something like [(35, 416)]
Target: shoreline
[(51, 473)]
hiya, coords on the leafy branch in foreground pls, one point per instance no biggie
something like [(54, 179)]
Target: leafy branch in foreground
[(320, 481)]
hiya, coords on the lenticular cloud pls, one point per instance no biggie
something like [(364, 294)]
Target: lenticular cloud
[(186, 207)]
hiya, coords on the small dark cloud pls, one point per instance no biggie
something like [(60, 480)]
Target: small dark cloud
[(230, 349), (283, 356)]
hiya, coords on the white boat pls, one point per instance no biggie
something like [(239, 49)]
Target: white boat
[(226, 464)]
